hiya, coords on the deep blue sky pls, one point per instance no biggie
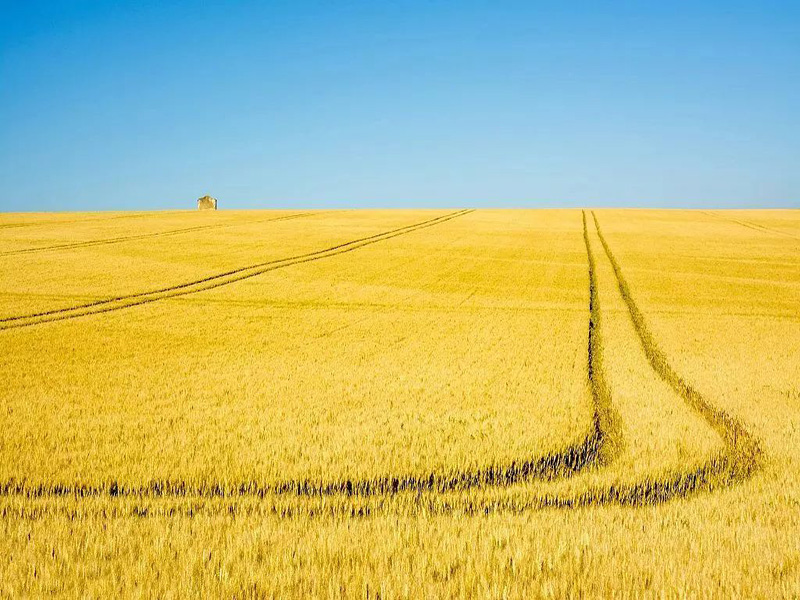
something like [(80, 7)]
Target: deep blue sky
[(118, 105)]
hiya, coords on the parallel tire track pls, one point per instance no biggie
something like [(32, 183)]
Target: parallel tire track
[(144, 236), (740, 459), (89, 220), (597, 448), (753, 226), (213, 281), (743, 449)]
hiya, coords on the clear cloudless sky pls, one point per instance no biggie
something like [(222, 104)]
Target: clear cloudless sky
[(122, 105)]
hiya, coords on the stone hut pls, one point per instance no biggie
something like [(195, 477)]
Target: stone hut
[(206, 203)]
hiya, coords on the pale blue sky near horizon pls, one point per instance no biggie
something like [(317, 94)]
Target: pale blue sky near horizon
[(148, 105)]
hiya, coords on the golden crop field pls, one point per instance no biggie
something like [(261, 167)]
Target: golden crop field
[(400, 403)]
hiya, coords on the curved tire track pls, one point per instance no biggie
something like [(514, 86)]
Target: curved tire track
[(742, 447), (740, 459)]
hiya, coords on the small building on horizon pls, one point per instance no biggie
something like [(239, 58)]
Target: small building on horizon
[(207, 203)]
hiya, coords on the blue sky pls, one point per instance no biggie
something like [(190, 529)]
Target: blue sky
[(120, 105)]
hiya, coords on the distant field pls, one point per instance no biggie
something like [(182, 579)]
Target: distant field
[(490, 403)]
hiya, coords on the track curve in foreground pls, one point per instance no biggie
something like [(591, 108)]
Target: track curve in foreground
[(741, 457), (743, 448), (739, 460)]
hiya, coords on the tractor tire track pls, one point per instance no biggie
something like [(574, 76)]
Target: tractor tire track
[(740, 458), (91, 219), (598, 448), (742, 448), (144, 236), (212, 281), (750, 225)]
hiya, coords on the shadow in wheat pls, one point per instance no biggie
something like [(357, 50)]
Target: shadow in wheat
[(597, 448)]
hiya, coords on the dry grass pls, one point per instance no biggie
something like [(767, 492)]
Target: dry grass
[(400, 403)]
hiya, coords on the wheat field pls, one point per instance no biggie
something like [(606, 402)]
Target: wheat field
[(400, 403)]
